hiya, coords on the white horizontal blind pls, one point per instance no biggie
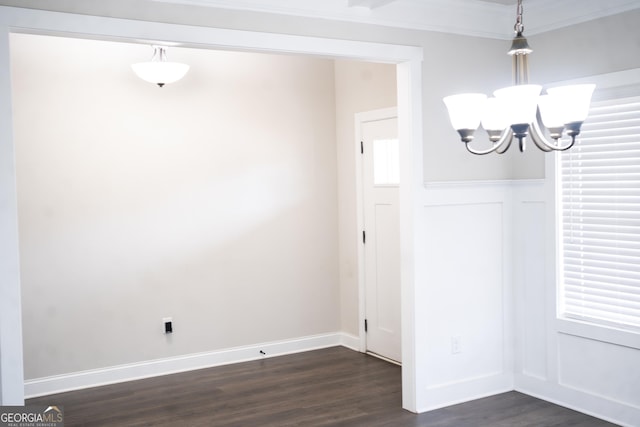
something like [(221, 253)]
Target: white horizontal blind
[(600, 208)]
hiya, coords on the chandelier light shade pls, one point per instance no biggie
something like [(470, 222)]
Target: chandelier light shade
[(465, 110), (521, 111), (519, 102), (494, 118), (160, 71)]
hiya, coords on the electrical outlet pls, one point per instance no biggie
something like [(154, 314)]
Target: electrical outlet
[(456, 345), (167, 323)]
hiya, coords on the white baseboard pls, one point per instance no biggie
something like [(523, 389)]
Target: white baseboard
[(607, 409), (152, 368), (444, 395), (350, 341)]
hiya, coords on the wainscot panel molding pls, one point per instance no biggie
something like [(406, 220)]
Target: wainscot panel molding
[(171, 365), (598, 373), (470, 317), (529, 210)]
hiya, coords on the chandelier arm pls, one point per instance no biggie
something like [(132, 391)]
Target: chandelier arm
[(538, 138), (542, 142), (506, 138), (481, 152)]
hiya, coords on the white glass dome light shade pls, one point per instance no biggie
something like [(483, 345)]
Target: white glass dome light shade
[(552, 111), (574, 100), (494, 117), (159, 70), (520, 103), (465, 110)]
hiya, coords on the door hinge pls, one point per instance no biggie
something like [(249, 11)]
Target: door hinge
[(366, 326), (364, 237), (361, 147)]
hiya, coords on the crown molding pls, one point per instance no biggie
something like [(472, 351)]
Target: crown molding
[(548, 15), (465, 17), (450, 16)]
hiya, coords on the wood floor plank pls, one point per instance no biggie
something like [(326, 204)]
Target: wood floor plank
[(328, 387)]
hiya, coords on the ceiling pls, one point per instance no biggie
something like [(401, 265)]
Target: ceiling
[(482, 18)]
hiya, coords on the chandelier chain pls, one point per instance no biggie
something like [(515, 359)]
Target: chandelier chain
[(519, 26)]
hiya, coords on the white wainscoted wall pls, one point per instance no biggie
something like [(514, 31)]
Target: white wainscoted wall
[(468, 321), (491, 292), (592, 369)]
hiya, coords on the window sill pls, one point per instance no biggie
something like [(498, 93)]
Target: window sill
[(598, 332)]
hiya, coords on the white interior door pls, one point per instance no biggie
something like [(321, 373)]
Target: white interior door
[(381, 179)]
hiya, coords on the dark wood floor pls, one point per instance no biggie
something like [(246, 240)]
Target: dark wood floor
[(329, 387)]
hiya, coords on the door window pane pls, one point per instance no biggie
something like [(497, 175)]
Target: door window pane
[(386, 162)]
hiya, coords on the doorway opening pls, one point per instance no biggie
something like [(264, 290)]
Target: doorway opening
[(38, 22)]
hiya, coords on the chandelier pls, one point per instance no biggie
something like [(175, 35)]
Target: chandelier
[(158, 70), (520, 110)]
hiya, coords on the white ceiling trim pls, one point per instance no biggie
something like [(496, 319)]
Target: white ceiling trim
[(370, 4), (548, 15), (466, 17), (453, 16)]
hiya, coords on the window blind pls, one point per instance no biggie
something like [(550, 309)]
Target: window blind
[(600, 216)]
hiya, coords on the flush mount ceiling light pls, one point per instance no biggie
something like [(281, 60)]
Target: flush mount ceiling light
[(159, 70), (520, 111)]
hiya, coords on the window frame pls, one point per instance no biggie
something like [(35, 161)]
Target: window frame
[(609, 86)]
